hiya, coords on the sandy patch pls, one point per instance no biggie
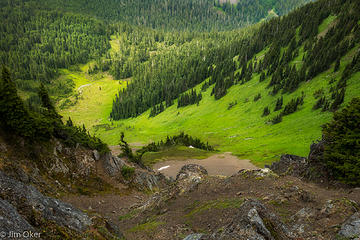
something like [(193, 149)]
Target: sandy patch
[(219, 164)]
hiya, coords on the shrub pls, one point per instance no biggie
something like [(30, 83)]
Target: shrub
[(266, 111), (342, 145), (279, 103), (319, 103), (127, 172), (257, 97), (293, 105), (276, 119)]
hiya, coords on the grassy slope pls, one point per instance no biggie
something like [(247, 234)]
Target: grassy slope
[(240, 130)]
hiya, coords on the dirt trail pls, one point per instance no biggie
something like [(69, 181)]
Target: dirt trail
[(219, 164), (82, 86)]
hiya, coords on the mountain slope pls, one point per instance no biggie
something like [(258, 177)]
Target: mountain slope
[(40, 37), (234, 121)]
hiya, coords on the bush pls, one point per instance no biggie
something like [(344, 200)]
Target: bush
[(127, 172), (279, 103), (257, 97), (293, 105), (266, 111), (276, 119), (342, 145)]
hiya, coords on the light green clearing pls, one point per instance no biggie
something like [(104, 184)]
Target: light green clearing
[(93, 101), (326, 23)]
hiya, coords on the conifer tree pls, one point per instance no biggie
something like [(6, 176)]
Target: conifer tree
[(47, 104), (15, 117), (266, 111), (337, 65), (342, 149), (279, 103)]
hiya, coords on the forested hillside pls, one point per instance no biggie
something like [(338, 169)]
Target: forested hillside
[(36, 41), (199, 15), (282, 39), (40, 37)]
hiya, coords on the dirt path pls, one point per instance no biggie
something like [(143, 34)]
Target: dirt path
[(220, 164), (82, 86)]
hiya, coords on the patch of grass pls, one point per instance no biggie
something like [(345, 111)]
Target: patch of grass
[(326, 23), (128, 215), (147, 227), (175, 153), (198, 207), (93, 101)]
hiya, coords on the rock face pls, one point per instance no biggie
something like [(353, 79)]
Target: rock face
[(253, 221), (316, 151), (351, 228), (28, 201), (289, 164), (96, 155), (112, 164), (191, 170), (82, 162), (11, 221), (189, 177), (144, 180)]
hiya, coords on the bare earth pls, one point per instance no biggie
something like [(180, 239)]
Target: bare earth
[(220, 164)]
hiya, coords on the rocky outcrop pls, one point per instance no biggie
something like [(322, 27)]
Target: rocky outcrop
[(316, 151), (34, 206), (144, 180), (190, 171), (78, 162), (253, 221), (311, 168), (290, 165), (351, 228), (112, 164), (189, 177), (12, 221), (194, 236)]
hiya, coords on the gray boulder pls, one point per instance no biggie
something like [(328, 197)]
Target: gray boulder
[(112, 164), (189, 177), (254, 222), (29, 201), (351, 227), (96, 155), (144, 180), (191, 170), (290, 164), (194, 236), (12, 221)]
